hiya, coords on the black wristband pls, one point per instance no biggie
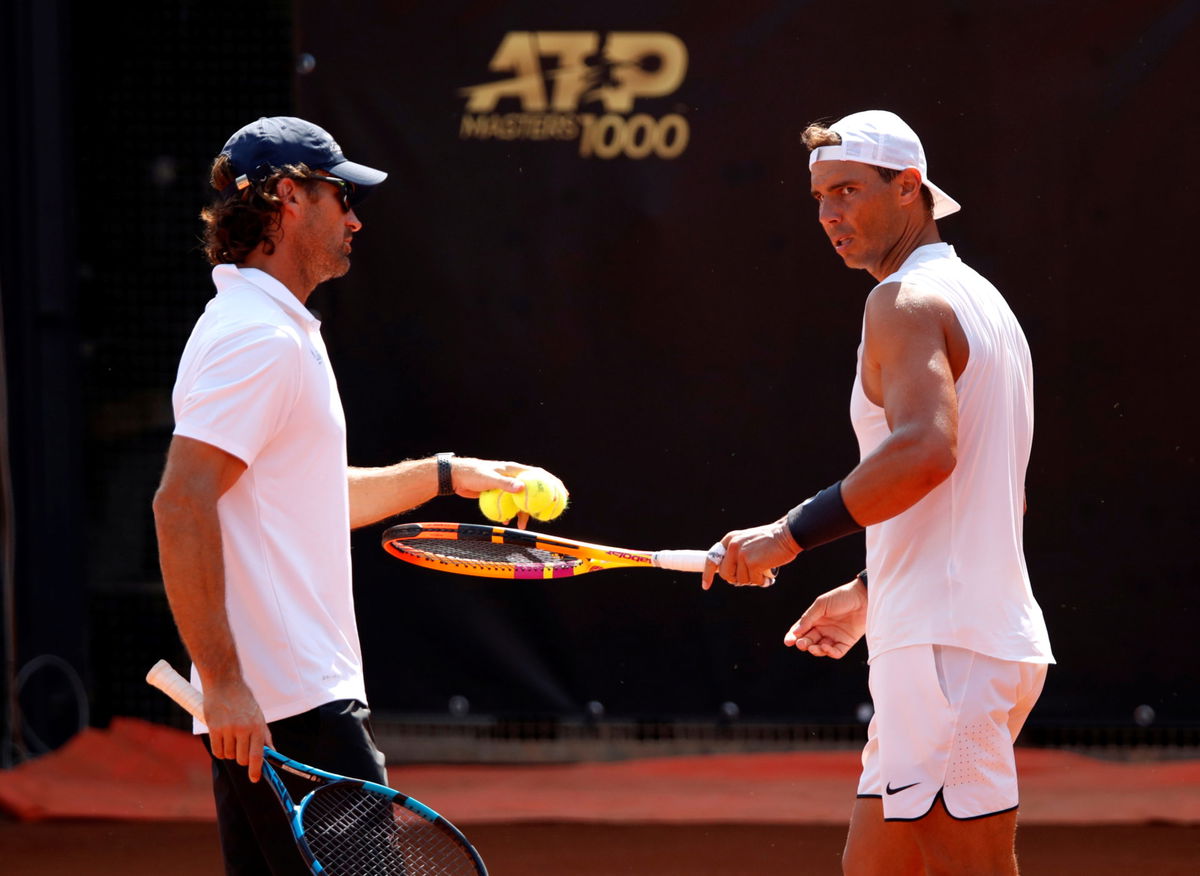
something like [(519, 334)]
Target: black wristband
[(821, 519), (862, 576), (444, 474)]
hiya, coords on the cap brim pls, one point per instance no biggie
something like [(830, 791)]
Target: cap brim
[(943, 204), (359, 174)]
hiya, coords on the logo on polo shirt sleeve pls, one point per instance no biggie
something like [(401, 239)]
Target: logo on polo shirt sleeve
[(585, 86)]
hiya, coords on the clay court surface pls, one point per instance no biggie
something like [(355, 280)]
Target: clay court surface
[(134, 799), (189, 849)]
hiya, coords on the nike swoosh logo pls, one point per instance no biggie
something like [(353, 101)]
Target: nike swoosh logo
[(890, 790)]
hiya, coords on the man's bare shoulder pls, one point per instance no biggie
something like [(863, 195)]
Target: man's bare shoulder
[(908, 299), (908, 316)]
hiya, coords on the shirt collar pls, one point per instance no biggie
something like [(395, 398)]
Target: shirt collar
[(226, 276)]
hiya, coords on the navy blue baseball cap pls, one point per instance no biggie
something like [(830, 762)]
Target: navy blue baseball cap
[(273, 142)]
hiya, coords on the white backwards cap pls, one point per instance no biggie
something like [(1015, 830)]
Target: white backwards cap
[(883, 139)]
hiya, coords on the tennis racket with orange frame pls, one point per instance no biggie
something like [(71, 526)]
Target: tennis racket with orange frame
[(500, 552)]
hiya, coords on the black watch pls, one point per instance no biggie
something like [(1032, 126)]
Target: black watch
[(445, 474)]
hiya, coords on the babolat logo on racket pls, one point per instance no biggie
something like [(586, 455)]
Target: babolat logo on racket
[(636, 558), (308, 777), (585, 86)]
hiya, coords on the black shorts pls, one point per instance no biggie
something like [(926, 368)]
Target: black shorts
[(255, 837)]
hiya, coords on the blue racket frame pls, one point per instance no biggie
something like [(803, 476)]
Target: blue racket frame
[(272, 758)]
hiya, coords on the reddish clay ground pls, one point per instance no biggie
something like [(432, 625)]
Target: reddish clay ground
[(70, 848)]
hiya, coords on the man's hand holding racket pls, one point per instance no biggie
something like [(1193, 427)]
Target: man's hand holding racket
[(344, 825), (236, 726), (833, 623), (752, 556)]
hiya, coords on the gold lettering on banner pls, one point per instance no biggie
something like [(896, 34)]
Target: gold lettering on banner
[(517, 53), (627, 51), (639, 136), (554, 73), (524, 126)]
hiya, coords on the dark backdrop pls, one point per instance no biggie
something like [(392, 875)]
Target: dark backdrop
[(671, 335), (675, 339)]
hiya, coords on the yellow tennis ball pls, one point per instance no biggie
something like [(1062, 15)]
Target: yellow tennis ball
[(497, 505), (544, 497)]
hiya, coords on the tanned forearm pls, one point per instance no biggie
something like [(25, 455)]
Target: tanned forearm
[(377, 493)]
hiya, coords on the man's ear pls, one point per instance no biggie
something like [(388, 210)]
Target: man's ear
[(287, 190), (291, 203), (909, 181)]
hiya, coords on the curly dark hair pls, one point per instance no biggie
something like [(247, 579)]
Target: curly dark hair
[(819, 134), (235, 225)]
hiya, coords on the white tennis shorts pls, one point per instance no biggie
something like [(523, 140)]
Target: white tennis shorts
[(944, 724)]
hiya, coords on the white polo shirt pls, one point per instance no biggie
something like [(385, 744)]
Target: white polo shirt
[(255, 381), (951, 570)]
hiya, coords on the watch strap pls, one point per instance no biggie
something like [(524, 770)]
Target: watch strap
[(445, 474)]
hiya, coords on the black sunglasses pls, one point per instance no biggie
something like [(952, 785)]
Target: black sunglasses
[(345, 188)]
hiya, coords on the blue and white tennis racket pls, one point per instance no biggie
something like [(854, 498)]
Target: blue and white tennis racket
[(349, 827)]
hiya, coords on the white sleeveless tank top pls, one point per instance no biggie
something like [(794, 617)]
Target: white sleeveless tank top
[(951, 569)]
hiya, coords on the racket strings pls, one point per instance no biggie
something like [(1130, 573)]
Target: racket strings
[(355, 832), (486, 553)]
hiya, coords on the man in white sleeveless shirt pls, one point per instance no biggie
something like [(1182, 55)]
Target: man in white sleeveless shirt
[(942, 406), (257, 501)]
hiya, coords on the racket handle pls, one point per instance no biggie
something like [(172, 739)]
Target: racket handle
[(681, 561), (178, 688)]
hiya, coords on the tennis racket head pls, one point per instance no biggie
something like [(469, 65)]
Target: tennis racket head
[(500, 552), (353, 828)]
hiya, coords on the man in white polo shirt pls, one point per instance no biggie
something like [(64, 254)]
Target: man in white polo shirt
[(257, 499), (942, 406)]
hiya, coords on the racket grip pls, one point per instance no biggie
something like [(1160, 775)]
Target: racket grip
[(681, 561), (178, 688)]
